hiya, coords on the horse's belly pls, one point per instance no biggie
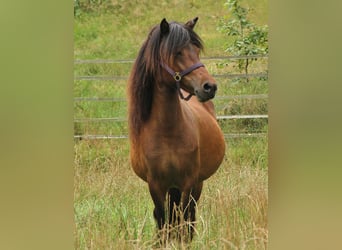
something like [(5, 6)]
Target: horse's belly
[(212, 150), (137, 164)]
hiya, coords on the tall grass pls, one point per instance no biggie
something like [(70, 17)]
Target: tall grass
[(113, 208)]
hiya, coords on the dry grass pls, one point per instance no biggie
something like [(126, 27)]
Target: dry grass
[(113, 209)]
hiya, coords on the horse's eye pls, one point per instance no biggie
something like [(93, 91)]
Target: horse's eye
[(179, 53)]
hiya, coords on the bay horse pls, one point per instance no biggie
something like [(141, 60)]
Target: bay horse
[(175, 140)]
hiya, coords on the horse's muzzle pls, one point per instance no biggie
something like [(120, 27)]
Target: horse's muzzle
[(206, 92)]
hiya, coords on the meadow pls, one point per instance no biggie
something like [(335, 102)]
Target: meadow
[(113, 208)]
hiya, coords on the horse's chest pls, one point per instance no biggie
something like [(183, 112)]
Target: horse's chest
[(171, 154), (171, 165), (171, 148)]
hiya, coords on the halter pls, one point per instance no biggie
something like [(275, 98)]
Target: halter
[(178, 76)]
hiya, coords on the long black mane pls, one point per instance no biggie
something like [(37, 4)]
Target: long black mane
[(147, 69)]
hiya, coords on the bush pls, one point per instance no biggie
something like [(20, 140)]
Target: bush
[(247, 39)]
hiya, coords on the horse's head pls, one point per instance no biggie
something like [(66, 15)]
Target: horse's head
[(180, 47)]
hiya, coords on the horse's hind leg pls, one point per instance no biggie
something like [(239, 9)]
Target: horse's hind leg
[(174, 201), (190, 202)]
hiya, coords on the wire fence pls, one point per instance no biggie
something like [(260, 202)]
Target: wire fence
[(103, 61), (101, 112), (99, 137)]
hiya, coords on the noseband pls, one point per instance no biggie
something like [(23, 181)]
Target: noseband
[(178, 76)]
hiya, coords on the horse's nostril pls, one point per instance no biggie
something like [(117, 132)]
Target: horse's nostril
[(209, 87)]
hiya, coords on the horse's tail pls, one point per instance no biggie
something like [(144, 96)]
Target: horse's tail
[(174, 201)]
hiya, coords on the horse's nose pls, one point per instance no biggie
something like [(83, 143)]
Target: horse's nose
[(209, 87)]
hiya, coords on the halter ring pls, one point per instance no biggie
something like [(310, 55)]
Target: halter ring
[(177, 76)]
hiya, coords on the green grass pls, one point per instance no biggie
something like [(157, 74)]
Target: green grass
[(113, 208), (117, 28)]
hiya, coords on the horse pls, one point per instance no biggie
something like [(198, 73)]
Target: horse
[(175, 140)]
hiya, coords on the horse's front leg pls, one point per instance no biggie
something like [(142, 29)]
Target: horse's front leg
[(158, 197)]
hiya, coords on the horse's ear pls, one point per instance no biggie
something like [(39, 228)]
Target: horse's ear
[(164, 27), (192, 23)]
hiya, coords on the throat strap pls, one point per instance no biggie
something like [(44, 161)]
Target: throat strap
[(179, 75)]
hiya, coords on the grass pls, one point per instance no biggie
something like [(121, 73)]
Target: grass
[(113, 208), (117, 28)]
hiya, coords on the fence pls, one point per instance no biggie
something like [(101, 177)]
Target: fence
[(92, 78)]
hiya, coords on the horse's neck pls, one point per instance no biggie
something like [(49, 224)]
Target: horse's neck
[(167, 109)]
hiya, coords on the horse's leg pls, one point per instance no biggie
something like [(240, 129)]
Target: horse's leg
[(158, 197), (174, 200), (190, 202)]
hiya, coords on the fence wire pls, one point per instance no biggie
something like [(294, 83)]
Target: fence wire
[(104, 116)]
